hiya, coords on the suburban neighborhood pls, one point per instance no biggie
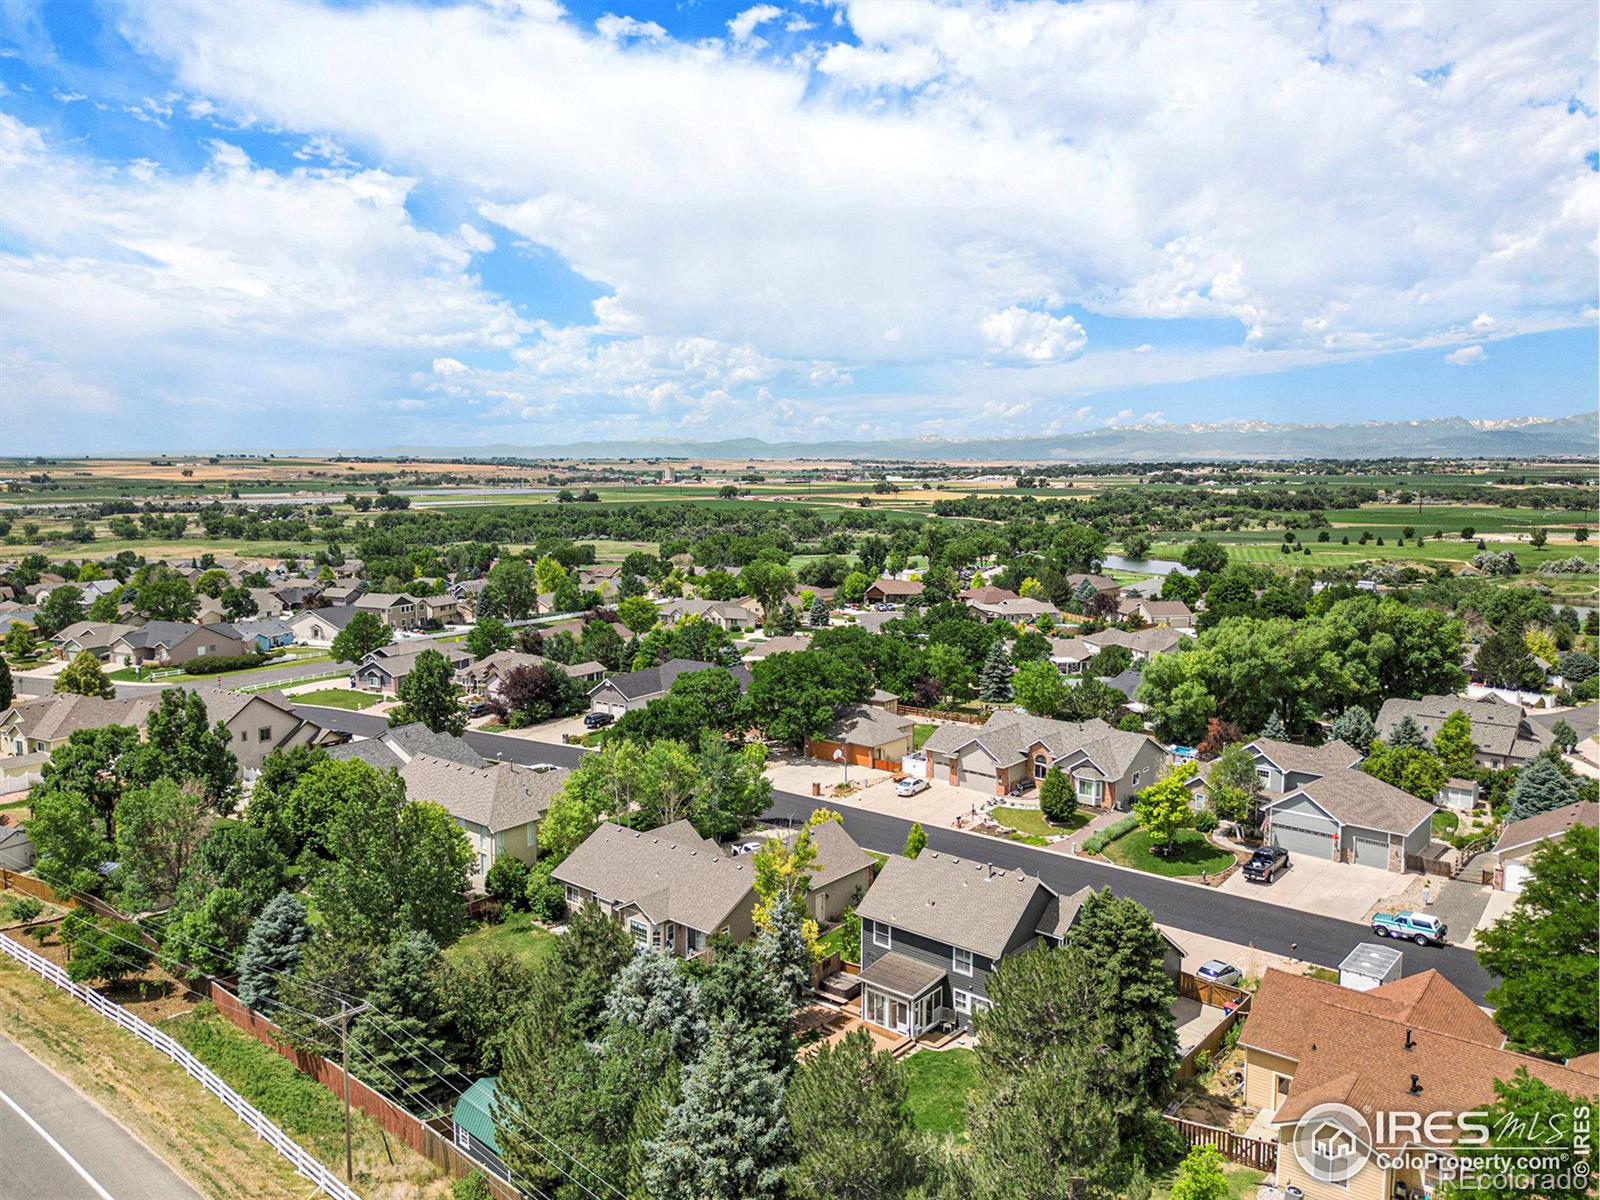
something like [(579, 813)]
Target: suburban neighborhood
[(799, 600)]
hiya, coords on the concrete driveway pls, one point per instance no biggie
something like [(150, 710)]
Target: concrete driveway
[(551, 731), (1328, 889), (940, 804)]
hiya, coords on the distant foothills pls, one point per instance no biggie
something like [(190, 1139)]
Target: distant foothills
[(1447, 437)]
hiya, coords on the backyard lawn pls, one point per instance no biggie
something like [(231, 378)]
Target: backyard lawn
[(338, 698), (1194, 854), (1243, 1183), (1031, 820), (938, 1082), (517, 935), (1444, 823), (920, 733)]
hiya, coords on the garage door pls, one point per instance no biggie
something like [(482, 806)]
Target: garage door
[(1299, 839), (1516, 874), (980, 780), (1372, 850)]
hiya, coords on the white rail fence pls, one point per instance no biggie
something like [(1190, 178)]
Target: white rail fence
[(298, 1156)]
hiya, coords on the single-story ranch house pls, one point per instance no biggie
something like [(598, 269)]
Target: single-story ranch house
[(1107, 765)]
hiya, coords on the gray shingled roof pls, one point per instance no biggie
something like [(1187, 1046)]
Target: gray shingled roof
[(1008, 735), (866, 725), (395, 747), (653, 681), (1498, 728), (958, 901), (499, 796), (1308, 760), (1061, 912), (837, 854), (61, 716), (671, 880), (1356, 798), (1546, 825)]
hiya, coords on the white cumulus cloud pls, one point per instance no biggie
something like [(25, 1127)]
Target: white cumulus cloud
[(1467, 356), (1019, 333)]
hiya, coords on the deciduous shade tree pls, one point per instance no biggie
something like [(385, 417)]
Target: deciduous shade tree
[(796, 695), (181, 742), (733, 787), (638, 613), (509, 589), (159, 828), (1524, 1104), (109, 951), (1414, 769), (92, 764), (362, 634), (428, 693), (164, 595), (62, 607), (68, 845), (1039, 688), (394, 865), (853, 1131), (1201, 1177), (1163, 807), (272, 950), (1504, 660), (1453, 741), (488, 636), (727, 1138), (83, 676), (1544, 951), (916, 840)]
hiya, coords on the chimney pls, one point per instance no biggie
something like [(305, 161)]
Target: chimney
[(1416, 1086)]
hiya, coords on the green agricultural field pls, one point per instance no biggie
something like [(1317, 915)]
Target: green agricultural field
[(1452, 518)]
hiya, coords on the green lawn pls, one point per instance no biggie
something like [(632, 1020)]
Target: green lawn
[(338, 698), (1243, 1183), (920, 734), (517, 934), (1444, 823), (833, 941), (938, 1082), (1031, 820), (1194, 854)]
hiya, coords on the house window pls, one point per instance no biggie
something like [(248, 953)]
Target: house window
[(961, 961), (463, 1138), (640, 931), (693, 940), (1041, 764), (881, 935), (1089, 791), (244, 735), (574, 897), (963, 1000), (264, 734), (1135, 781), (483, 863), (1263, 774), (981, 1004)]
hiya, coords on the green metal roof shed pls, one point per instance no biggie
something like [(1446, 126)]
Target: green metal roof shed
[(473, 1111)]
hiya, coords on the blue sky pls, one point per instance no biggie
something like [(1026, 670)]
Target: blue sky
[(347, 226)]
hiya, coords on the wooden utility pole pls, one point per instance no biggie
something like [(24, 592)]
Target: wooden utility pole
[(343, 1017)]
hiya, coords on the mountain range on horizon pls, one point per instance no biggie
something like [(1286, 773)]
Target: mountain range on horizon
[(1572, 436)]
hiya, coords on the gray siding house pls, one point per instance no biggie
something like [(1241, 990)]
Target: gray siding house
[(1350, 817)]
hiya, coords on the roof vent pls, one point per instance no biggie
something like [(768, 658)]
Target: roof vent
[(1416, 1085), (1410, 1043)]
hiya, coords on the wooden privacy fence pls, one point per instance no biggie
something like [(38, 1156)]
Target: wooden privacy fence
[(410, 1129), (941, 714), (1218, 995), (1235, 1147), (300, 1158)]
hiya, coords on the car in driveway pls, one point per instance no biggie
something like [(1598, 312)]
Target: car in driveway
[(1424, 929), (598, 720), (1266, 864), (910, 786), (1217, 971)]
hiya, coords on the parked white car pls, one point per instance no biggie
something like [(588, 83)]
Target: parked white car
[(910, 787), (1217, 971)]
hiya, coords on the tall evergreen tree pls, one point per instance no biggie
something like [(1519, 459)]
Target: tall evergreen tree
[(1274, 729), (272, 950), (429, 694), (853, 1131), (782, 948), (406, 1033), (7, 688), (1354, 727), (1542, 785), (653, 995), (994, 680), (727, 1139), (1408, 735), (819, 613)]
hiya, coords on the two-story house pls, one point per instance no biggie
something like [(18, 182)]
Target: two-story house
[(396, 609), (1502, 735), (1107, 766), (934, 927), (670, 887), (498, 805)]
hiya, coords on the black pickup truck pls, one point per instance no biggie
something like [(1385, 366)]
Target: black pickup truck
[(1266, 863)]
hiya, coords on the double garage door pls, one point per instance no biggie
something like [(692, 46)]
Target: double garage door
[(1303, 839)]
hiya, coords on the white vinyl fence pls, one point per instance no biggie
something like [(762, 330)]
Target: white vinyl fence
[(300, 1158)]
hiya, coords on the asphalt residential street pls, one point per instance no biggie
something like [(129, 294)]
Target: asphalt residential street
[(1244, 922), (1237, 919), (56, 1144)]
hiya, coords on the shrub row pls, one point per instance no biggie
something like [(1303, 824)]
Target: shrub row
[(1096, 842), (226, 662)]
